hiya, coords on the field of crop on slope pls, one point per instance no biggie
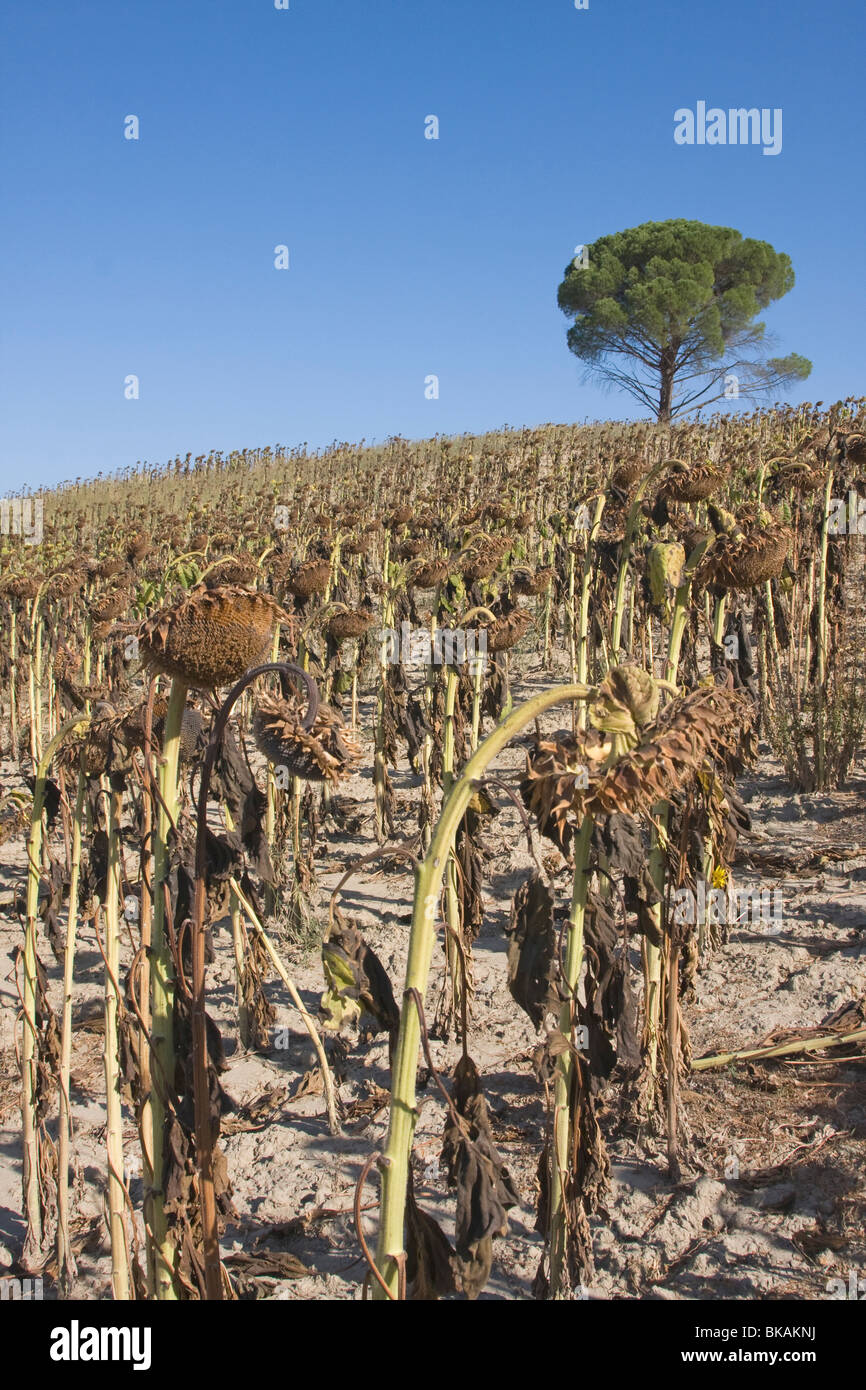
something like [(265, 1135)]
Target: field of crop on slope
[(656, 859)]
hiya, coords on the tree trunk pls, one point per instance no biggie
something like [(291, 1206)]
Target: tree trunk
[(666, 390)]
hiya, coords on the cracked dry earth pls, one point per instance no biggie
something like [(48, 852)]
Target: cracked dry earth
[(771, 1204)]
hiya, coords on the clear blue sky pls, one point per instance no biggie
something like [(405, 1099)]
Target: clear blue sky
[(408, 256)]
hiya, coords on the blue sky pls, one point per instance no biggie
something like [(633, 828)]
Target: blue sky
[(408, 256)]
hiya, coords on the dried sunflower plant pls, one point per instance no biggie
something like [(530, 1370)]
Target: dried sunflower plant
[(230, 685)]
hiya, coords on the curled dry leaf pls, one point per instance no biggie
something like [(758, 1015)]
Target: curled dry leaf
[(429, 1256), (532, 948), (357, 980), (485, 1191)]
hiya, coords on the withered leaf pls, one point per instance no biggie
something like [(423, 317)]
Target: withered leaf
[(356, 978), (532, 947), (485, 1191), (429, 1256)]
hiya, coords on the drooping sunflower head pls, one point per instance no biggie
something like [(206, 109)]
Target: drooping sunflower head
[(325, 753), (507, 631), (349, 624), (210, 636), (428, 572), (627, 469), (706, 728), (526, 582), (481, 557), (309, 579), (233, 569), (691, 482), (746, 551)]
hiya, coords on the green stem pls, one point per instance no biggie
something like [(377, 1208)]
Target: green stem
[(562, 1145), (631, 526), (13, 681), (114, 1114), (428, 876), (65, 1259), (652, 953), (380, 772), (162, 985), (784, 1049), (29, 1119)]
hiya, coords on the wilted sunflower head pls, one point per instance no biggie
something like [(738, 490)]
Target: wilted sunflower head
[(110, 567), (101, 744), (507, 631), (706, 728), (569, 775), (800, 475), (64, 582), (349, 624), (410, 549), (137, 547), (241, 570), (746, 551), (481, 557), (21, 586), (309, 579), (324, 753), (210, 636), (665, 561), (426, 573), (854, 447), (357, 545), (527, 583), (110, 605), (691, 482), (627, 469)]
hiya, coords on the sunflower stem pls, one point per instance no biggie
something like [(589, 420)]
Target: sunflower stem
[(394, 1165), (162, 987), (114, 1114), (29, 1081), (562, 1144), (65, 1258), (327, 1079), (821, 643)]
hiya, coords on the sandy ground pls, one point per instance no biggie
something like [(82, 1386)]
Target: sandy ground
[(771, 1205)]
